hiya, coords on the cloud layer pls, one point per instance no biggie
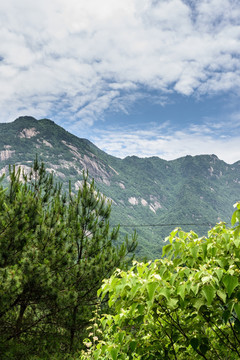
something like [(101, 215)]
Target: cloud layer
[(169, 143), (74, 59)]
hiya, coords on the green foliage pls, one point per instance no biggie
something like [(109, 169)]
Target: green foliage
[(184, 306), (55, 249)]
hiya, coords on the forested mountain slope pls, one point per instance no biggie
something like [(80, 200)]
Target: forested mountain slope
[(149, 194)]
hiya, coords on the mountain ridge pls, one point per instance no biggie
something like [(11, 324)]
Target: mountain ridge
[(191, 189)]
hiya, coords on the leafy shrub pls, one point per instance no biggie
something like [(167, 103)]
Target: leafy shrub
[(184, 306)]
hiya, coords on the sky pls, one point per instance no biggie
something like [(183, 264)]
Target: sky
[(135, 77)]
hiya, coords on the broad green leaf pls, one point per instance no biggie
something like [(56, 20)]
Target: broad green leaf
[(134, 290), (162, 270), (166, 249), (226, 315), (151, 287), (177, 247), (222, 262), (181, 290), (172, 279), (194, 251), (149, 305), (209, 293), (172, 235), (96, 354), (114, 352), (167, 275), (172, 303), (237, 215), (121, 336), (204, 249), (141, 309), (177, 261), (188, 286), (133, 345), (165, 292), (237, 231), (233, 219), (140, 269), (133, 307), (195, 288), (236, 239), (219, 273), (226, 237), (222, 295), (111, 300), (230, 282)]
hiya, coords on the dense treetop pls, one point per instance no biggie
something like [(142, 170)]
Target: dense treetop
[(55, 250)]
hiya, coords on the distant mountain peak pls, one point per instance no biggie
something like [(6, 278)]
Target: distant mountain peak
[(192, 189), (25, 119)]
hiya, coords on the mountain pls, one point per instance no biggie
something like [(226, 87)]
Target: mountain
[(152, 193)]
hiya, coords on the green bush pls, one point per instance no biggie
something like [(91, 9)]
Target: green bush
[(184, 306)]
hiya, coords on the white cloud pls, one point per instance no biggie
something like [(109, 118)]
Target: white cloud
[(77, 58), (170, 143)]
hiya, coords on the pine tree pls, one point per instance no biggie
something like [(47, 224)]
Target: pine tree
[(55, 250)]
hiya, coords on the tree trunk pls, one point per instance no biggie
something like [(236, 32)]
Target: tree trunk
[(19, 320), (73, 327)]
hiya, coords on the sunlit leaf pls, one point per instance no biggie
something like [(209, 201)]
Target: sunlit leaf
[(151, 287), (114, 352), (165, 292), (166, 249), (230, 282), (172, 303), (209, 293), (181, 290), (219, 273), (222, 295)]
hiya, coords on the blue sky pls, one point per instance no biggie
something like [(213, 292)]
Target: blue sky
[(136, 77)]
